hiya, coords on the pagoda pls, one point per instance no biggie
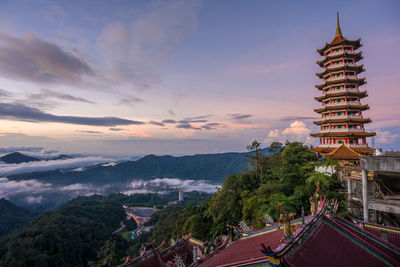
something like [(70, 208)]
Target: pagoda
[(342, 123)]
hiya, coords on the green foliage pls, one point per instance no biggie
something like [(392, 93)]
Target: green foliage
[(275, 147), (288, 178)]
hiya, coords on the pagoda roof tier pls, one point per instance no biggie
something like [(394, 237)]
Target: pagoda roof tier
[(345, 78), (344, 106), (339, 39), (357, 68), (355, 43), (344, 134), (360, 94), (348, 54), (357, 120)]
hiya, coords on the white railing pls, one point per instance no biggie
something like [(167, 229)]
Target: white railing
[(353, 103), (341, 77), (340, 65), (342, 117), (339, 53), (358, 145), (335, 66), (343, 90), (341, 130), (337, 145), (342, 103)]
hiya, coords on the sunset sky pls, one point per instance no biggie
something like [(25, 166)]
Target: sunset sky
[(183, 77)]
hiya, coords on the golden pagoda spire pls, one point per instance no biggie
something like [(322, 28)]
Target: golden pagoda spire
[(338, 31), (338, 36)]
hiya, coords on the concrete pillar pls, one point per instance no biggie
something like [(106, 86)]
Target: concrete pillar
[(365, 194), (348, 189)]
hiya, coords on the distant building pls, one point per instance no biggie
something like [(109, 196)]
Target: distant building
[(342, 134), (180, 196), (172, 203)]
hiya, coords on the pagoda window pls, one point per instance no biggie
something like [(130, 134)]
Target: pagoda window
[(339, 113), (351, 142), (340, 126), (340, 142)]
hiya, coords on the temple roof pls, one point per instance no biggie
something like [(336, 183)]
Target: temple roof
[(332, 243), (360, 150), (393, 233), (246, 249), (342, 152), (344, 79), (390, 250), (358, 120), (338, 39)]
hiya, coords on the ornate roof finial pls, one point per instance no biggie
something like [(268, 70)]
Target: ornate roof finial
[(338, 31)]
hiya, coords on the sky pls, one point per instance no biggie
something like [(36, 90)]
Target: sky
[(183, 77)]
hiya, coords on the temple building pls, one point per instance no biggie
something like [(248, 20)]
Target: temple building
[(342, 134)]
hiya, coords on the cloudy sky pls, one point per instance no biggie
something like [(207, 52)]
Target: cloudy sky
[(183, 77)]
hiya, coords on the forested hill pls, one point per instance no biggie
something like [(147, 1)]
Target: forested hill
[(80, 231), (214, 167), (17, 157), (12, 216)]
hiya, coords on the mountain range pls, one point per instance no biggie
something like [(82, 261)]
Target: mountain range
[(213, 167)]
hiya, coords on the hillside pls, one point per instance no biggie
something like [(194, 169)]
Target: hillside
[(69, 236), (17, 158), (12, 216)]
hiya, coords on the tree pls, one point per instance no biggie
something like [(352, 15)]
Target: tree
[(318, 178), (275, 147), (255, 147)]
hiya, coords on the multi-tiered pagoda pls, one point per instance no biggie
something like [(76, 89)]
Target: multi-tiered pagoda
[(342, 134)]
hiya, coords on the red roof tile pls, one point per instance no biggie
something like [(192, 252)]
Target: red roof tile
[(378, 244), (247, 248), (334, 245)]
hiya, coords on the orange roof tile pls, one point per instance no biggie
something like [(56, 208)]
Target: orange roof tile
[(343, 152)]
